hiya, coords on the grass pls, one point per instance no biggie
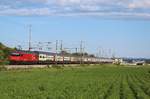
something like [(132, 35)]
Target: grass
[(88, 82)]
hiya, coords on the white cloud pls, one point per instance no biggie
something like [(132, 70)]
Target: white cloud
[(67, 2), (140, 4), (110, 8), (28, 12), (92, 2)]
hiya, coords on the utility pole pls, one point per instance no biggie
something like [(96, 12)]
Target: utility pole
[(56, 52), (83, 50), (81, 44), (114, 55), (61, 49), (48, 46), (76, 50), (61, 45), (99, 54), (30, 26), (109, 53)]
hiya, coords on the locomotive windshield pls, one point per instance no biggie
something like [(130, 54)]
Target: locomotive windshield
[(15, 54)]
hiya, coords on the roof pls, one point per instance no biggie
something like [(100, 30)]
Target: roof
[(41, 52)]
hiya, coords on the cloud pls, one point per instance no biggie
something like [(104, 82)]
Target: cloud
[(27, 12), (140, 4), (109, 8), (22, 1)]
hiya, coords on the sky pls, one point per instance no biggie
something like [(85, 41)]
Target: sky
[(120, 27)]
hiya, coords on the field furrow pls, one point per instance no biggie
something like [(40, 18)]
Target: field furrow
[(91, 82)]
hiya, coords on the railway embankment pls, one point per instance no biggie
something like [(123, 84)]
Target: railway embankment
[(9, 67)]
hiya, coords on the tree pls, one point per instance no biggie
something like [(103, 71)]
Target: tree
[(4, 53)]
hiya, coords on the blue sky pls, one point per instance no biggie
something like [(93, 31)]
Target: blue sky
[(120, 25)]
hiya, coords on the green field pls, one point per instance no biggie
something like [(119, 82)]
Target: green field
[(90, 82)]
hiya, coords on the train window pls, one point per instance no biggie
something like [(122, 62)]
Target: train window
[(15, 54)]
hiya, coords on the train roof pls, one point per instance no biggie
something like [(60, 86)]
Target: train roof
[(41, 52), (22, 51), (33, 52)]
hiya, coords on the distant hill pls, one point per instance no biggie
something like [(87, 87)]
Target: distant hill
[(4, 53)]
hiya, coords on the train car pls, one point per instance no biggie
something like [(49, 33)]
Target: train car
[(73, 59), (46, 57), (106, 60), (67, 59), (59, 59), (22, 57)]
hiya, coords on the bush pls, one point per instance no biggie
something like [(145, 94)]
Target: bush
[(57, 66), (4, 53), (2, 67)]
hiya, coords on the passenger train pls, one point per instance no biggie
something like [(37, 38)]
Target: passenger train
[(37, 57)]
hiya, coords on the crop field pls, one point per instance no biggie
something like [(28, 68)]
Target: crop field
[(89, 82)]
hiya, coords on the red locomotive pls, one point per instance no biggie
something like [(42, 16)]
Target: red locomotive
[(22, 57)]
